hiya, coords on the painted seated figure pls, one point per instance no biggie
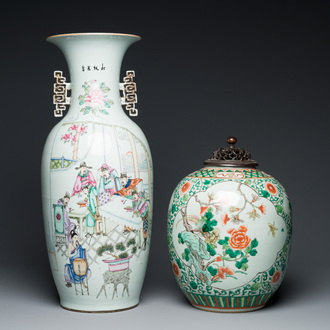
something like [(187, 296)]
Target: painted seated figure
[(76, 271)]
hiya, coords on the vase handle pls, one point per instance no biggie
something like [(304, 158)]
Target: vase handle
[(60, 98), (129, 98)]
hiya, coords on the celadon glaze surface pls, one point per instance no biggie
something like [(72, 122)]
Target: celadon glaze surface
[(97, 183), (229, 232)]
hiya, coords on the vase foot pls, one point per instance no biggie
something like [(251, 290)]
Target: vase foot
[(99, 311), (229, 310)]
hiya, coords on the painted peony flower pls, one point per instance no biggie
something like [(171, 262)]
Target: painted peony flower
[(239, 240), (95, 98)]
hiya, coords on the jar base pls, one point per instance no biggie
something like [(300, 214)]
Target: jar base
[(229, 310), (99, 311)]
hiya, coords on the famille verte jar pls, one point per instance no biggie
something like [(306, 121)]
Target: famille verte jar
[(97, 181), (229, 231)]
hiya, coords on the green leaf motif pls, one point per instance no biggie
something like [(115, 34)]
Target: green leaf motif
[(224, 241), (254, 243), (255, 286), (248, 249), (180, 239), (231, 253), (174, 208), (211, 250), (212, 271), (87, 110), (245, 267), (253, 252), (193, 285), (272, 271), (265, 193), (237, 253), (105, 112), (279, 208), (178, 261), (244, 260), (238, 264), (209, 225)]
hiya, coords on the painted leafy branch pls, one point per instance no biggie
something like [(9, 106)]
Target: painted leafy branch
[(73, 132), (202, 243), (234, 212)]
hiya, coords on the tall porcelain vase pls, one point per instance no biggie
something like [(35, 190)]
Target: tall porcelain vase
[(96, 179)]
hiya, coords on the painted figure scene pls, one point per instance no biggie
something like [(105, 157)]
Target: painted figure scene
[(102, 218)]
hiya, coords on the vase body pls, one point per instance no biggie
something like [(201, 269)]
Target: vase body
[(229, 232), (97, 183)]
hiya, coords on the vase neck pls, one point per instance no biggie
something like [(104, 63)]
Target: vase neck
[(94, 62)]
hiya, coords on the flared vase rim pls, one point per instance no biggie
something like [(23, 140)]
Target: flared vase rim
[(93, 34)]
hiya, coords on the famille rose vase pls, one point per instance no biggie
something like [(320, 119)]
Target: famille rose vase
[(229, 232), (97, 181)]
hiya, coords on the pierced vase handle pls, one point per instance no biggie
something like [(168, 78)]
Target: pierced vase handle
[(60, 99), (129, 98)]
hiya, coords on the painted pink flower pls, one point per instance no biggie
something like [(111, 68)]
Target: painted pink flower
[(95, 98), (74, 138), (83, 129), (66, 137), (74, 127)]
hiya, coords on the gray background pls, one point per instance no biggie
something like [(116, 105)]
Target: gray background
[(258, 70)]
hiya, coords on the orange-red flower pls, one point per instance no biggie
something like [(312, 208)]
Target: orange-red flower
[(185, 188), (225, 218), (176, 269), (271, 188), (276, 277), (262, 208), (218, 258), (222, 273), (203, 209), (239, 240)]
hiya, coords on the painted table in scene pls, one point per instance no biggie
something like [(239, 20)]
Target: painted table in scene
[(112, 213)]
